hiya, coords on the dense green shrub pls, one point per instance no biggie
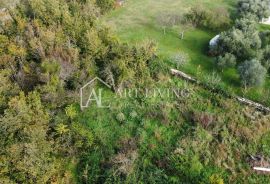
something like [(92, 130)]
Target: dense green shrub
[(197, 16), (259, 8), (243, 41), (252, 73), (266, 57), (53, 47), (226, 61), (106, 5), (265, 37), (26, 153), (216, 19), (240, 43)]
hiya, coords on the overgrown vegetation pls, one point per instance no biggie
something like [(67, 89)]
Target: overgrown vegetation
[(48, 50), (216, 19), (51, 48)]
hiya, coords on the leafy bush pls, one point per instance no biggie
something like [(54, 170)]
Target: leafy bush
[(216, 19), (106, 5), (215, 179), (26, 155), (226, 61), (265, 37), (121, 117), (243, 41), (197, 16), (252, 73), (71, 111), (180, 60), (259, 8)]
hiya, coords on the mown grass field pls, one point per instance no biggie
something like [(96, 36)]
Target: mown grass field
[(136, 22)]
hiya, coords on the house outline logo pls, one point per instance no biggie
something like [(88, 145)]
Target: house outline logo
[(93, 96)]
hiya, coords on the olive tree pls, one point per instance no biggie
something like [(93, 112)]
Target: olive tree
[(166, 20), (259, 8), (226, 61), (243, 41), (252, 73)]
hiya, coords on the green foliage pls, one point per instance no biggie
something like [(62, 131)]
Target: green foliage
[(86, 136), (121, 117), (226, 61), (7, 89), (180, 60), (243, 42), (252, 73), (215, 179), (61, 129), (25, 149), (106, 5), (265, 37), (208, 138), (197, 16), (52, 47), (266, 57), (129, 65), (71, 111), (216, 19), (259, 8)]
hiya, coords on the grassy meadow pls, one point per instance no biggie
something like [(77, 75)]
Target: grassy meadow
[(136, 22)]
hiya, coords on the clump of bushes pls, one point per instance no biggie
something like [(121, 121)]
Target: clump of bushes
[(244, 46), (216, 19), (226, 61), (257, 9), (106, 5)]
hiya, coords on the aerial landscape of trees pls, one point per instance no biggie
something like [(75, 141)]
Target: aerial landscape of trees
[(49, 49), (244, 46)]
